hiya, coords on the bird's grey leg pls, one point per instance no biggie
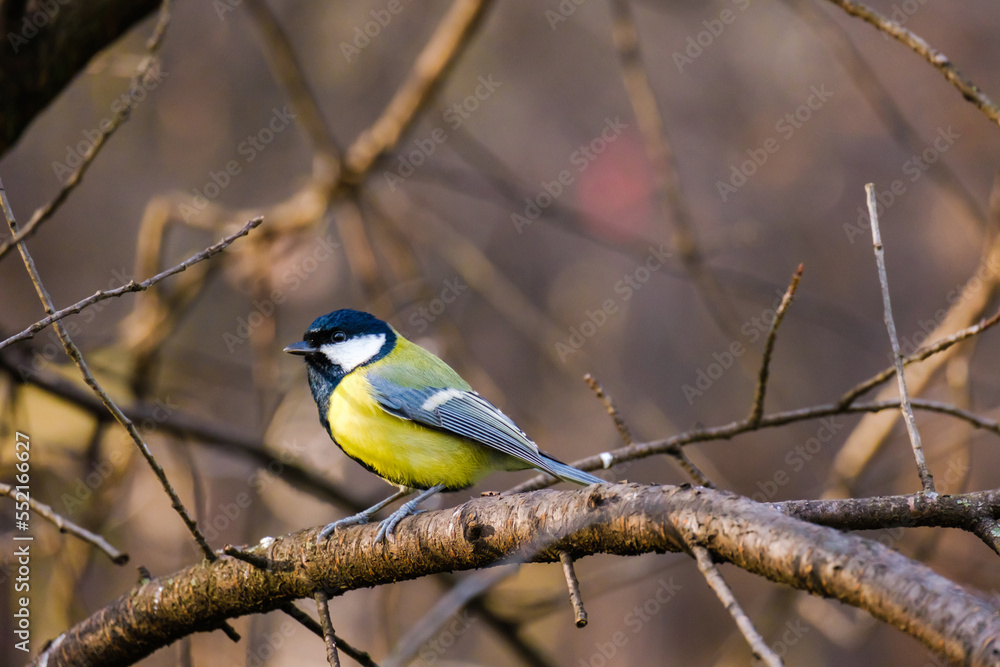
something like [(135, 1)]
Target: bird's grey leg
[(364, 516), (408, 508)]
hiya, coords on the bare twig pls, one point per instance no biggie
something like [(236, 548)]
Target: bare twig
[(714, 578), (74, 353), (146, 68), (66, 526), (926, 480), (870, 434), (323, 607), (725, 432), (676, 452), (974, 512), (852, 394), (888, 110), (573, 584), (757, 410), (258, 561), (938, 60), (132, 286), (609, 405), (988, 530), (359, 656)]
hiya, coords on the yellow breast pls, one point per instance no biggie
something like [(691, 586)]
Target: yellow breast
[(405, 452)]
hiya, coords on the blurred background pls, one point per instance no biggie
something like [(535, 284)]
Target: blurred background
[(517, 231)]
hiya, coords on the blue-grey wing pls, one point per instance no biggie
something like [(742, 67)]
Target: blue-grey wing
[(467, 414)]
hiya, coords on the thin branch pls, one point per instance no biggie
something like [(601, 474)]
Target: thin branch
[(757, 410), (975, 512), (307, 621), (728, 431), (323, 607), (132, 286), (438, 56), (258, 561), (609, 405), (926, 480), (938, 60), (923, 353), (677, 453), (66, 526), (888, 111), (988, 530), (761, 651), (871, 433), (573, 584), (146, 68)]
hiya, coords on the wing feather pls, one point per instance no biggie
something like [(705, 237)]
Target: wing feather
[(463, 413), (469, 415)]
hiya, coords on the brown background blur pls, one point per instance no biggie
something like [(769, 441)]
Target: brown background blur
[(553, 89)]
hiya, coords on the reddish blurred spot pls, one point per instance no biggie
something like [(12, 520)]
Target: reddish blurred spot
[(615, 191)]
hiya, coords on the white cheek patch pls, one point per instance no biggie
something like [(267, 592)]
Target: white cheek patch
[(435, 401), (352, 353)]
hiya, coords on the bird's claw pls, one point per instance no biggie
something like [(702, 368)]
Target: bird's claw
[(389, 524), (330, 528)]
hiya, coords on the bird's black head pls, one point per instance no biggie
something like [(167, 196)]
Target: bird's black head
[(337, 343)]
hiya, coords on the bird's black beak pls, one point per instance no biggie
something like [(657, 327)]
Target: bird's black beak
[(301, 348)]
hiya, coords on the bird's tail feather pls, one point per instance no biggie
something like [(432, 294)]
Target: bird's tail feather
[(568, 473)]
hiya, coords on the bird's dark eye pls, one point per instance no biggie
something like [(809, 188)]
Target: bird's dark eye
[(339, 336)]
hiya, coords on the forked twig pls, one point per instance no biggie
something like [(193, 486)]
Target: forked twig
[(74, 353), (323, 606), (676, 452), (757, 410), (923, 353)]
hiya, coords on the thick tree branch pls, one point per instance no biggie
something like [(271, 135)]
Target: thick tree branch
[(625, 519), (44, 49)]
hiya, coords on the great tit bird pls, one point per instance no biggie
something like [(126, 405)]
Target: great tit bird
[(405, 415)]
